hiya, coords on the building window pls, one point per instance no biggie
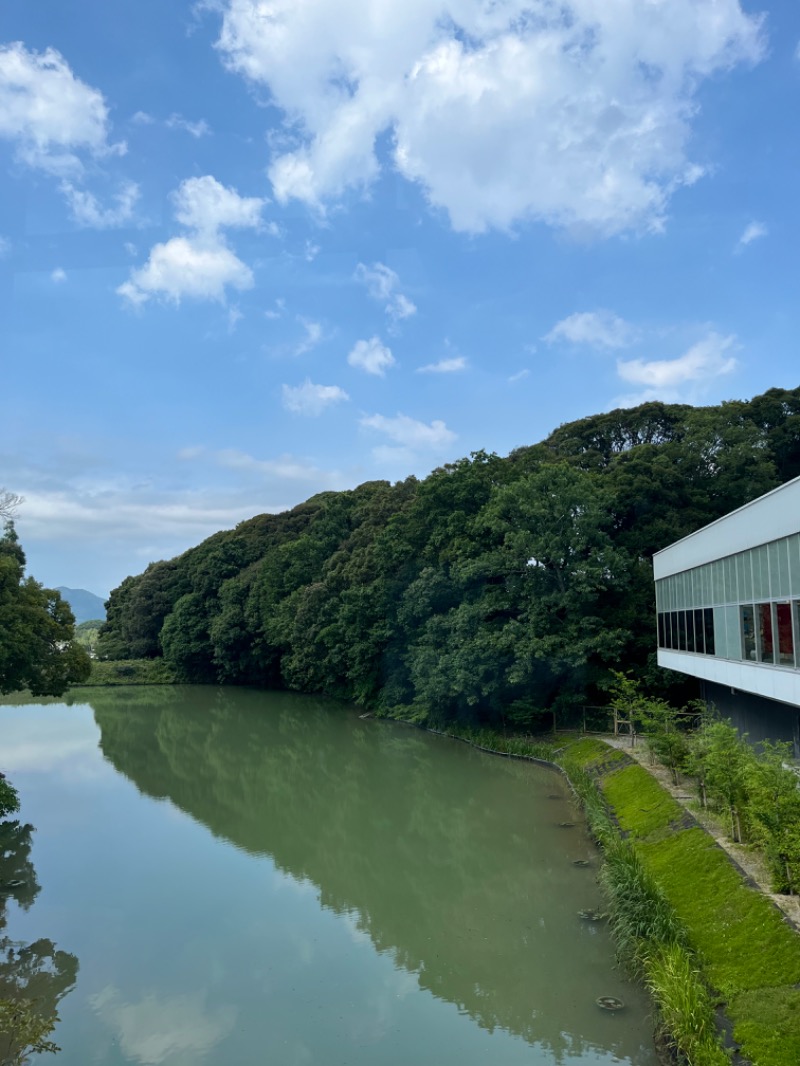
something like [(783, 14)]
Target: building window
[(682, 630), (766, 647), (783, 626), (748, 632), (699, 642), (708, 626)]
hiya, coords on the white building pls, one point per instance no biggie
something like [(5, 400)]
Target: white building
[(728, 603)]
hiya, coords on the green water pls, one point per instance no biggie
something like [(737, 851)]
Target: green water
[(249, 878)]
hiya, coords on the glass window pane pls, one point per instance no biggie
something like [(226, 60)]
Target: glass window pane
[(690, 646), (764, 620), (748, 632), (705, 585), (708, 626), (784, 583), (682, 630), (661, 643), (761, 573), (744, 576), (729, 569), (699, 643), (718, 587), (793, 544), (783, 619)]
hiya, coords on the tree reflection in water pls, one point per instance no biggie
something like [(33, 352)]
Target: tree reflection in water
[(35, 977)]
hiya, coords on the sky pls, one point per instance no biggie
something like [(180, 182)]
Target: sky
[(251, 250)]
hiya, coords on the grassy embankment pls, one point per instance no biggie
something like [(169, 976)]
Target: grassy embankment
[(685, 919), (129, 672)]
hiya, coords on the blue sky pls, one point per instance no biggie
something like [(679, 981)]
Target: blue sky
[(252, 250)]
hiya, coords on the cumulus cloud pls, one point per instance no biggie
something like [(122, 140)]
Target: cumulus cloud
[(371, 356), (184, 266), (597, 329), (205, 205), (5, 247), (383, 285), (668, 379), (86, 208), (409, 433), (752, 232), (50, 115), (311, 399), (199, 265), (444, 366), (577, 114), (58, 276)]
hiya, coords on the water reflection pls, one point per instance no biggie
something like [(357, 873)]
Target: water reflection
[(403, 836), (33, 976), (156, 1027)]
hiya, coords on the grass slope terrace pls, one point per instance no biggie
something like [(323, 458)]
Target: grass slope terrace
[(709, 945)]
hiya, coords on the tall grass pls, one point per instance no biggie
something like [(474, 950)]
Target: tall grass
[(685, 1005), (650, 938), (642, 918)]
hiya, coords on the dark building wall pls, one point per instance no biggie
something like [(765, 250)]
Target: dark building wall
[(760, 718)]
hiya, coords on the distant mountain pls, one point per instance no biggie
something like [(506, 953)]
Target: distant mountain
[(85, 605)]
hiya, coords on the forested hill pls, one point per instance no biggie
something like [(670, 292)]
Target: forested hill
[(492, 590)]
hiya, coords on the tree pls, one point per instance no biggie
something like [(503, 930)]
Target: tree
[(773, 811), (728, 759), (9, 502), (38, 650)]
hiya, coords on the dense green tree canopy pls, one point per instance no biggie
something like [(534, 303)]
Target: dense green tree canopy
[(492, 589), (38, 650)]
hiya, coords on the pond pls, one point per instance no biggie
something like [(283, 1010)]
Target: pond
[(226, 876)]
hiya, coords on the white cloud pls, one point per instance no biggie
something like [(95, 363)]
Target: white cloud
[(186, 267), (286, 467), (577, 113), (444, 366), (598, 329), (383, 285), (58, 276), (752, 232), (142, 118), (205, 205), (409, 433), (310, 399), (86, 209), (371, 356), (200, 265), (5, 247), (197, 129), (49, 114), (666, 379), (312, 335), (520, 374)]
